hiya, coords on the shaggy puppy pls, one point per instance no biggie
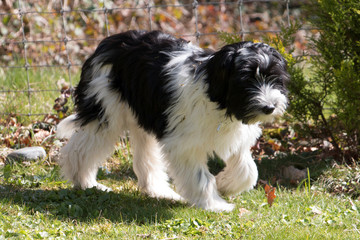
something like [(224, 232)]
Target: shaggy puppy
[(179, 103)]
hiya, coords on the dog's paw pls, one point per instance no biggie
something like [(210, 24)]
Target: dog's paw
[(216, 206), (221, 207), (171, 196), (166, 193), (102, 187), (224, 207), (97, 185)]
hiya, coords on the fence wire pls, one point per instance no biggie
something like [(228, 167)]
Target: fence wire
[(110, 10)]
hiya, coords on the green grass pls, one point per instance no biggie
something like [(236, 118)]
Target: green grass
[(35, 203)]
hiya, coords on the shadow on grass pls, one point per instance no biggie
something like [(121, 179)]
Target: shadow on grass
[(91, 204), (272, 168)]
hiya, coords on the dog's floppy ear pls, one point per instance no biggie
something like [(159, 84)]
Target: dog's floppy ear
[(220, 68)]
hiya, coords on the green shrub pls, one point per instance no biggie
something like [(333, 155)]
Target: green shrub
[(336, 69)]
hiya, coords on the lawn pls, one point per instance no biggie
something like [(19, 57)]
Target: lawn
[(35, 203)]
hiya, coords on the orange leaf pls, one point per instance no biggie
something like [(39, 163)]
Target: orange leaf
[(270, 194)]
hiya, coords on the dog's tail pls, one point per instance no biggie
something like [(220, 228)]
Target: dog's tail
[(66, 127)]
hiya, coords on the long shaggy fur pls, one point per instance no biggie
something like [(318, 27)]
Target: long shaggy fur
[(180, 104)]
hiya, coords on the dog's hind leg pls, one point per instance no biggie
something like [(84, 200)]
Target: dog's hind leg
[(86, 149), (149, 165), (240, 174)]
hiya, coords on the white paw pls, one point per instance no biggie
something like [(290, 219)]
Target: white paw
[(218, 205), (102, 187), (166, 193), (221, 207), (171, 196)]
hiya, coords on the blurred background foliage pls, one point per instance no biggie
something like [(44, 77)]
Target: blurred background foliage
[(84, 23)]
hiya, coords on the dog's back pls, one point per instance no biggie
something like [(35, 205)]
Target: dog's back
[(136, 60)]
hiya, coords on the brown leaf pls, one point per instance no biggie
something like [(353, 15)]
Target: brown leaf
[(270, 194), (274, 145)]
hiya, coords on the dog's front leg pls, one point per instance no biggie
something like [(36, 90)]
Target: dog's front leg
[(240, 174), (193, 180)]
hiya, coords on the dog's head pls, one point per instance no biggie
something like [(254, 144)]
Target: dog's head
[(249, 81)]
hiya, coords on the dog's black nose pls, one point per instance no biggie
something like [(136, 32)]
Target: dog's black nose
[(268, 109)]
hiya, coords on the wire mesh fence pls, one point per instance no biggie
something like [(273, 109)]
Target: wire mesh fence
[(44, 43)]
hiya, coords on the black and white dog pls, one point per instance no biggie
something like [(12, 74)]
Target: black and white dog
[(179, 103)]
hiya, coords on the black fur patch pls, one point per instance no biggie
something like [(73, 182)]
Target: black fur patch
[(138, 60)]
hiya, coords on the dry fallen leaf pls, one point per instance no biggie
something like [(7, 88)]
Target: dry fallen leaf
[(41, 135), (275, 145), (243, 211), (270, 194)]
